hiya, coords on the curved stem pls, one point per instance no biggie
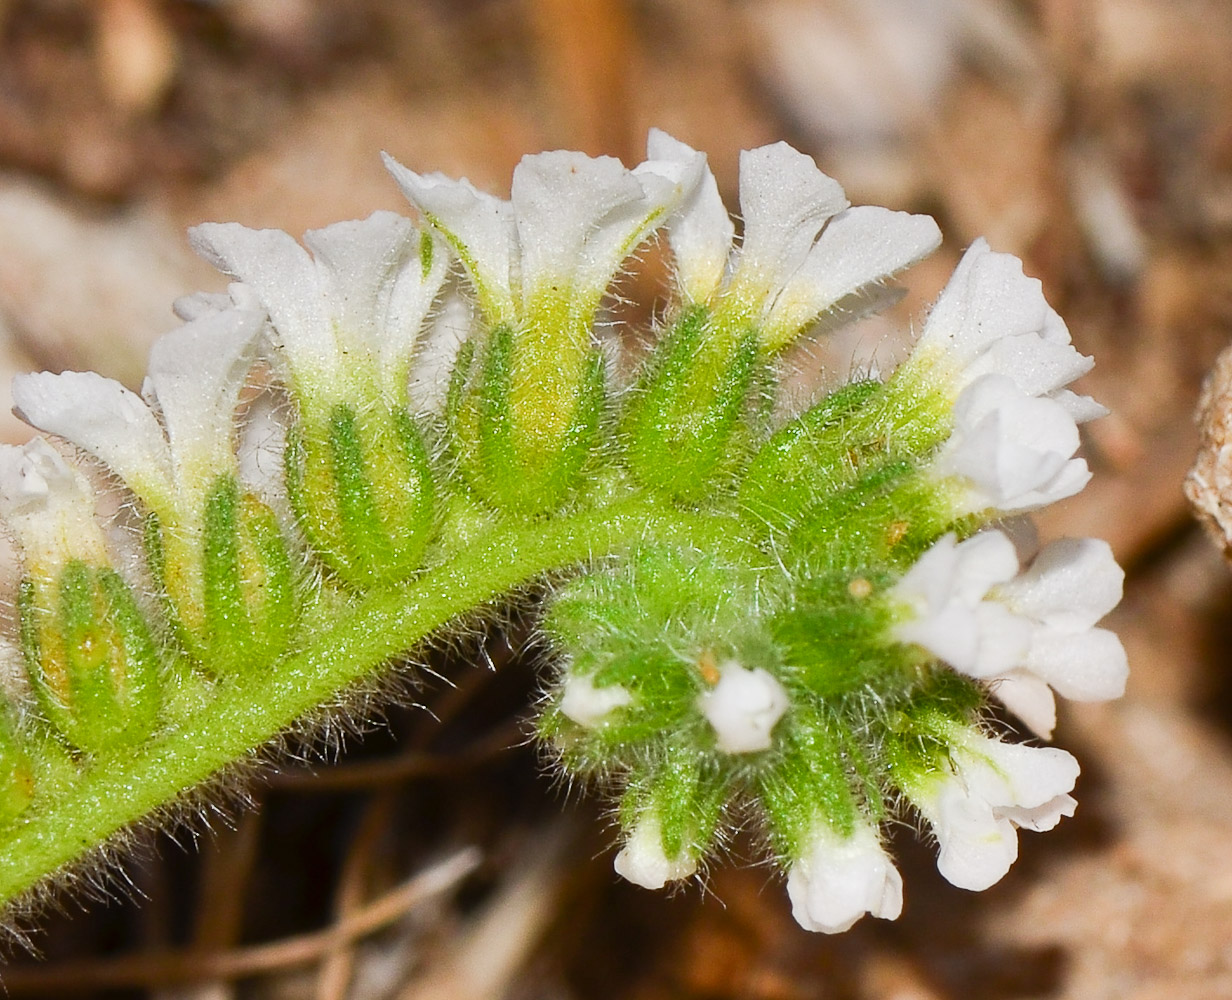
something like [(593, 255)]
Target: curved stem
[(248, 711)]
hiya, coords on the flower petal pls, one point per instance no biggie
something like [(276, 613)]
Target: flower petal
[(103, 418), (785, 201), (859, 249), (642, 860), (590, 706), (1029, 698), (1083, 666), (989, 298), (839, 879), (479, 227), (195, 377), (700, 232), (578, 218), (1070, 585), (288, 284), (743, 708)]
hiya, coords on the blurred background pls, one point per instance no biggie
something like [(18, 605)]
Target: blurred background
[(435, 858)]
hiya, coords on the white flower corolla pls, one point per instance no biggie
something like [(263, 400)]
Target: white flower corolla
[(643, 861), (348, 318), (1027, 634), (1011, 451), (804, 249), (547, 255), (992, 319), (590, 706), (743, 708), (49, 506), (170, 447), (988, 792), (840, 878)]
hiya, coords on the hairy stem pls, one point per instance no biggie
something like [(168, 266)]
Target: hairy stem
[(248, 711)]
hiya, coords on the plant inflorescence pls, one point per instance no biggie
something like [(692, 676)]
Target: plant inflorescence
[(766, 614)]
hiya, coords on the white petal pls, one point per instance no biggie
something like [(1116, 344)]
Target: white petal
[(977, 848), (859, 248), (989, 298), (1069, 586), (1029, 698), (379, 292), (579, 218), (287, 282), (1014, 449), (839, 879), (700, 232), (437, 351), (944, 588), (743, 708), (1037, 366), (643, 862), (103, 418), (591, 706), (1080, 408), (1087, 666), (1012, 775), (195, 377), (785, 200), (478, 226), (50, 508), (1043, 817)]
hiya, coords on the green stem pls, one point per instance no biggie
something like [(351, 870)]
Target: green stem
[(249, 711)]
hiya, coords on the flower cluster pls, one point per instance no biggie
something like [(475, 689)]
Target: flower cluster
[(762, 618)]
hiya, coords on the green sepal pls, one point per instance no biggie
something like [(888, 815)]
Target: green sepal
[(685, 792), (832, 635), (682, 422), (512, 464), (249, 587), (362, 488), (888, 518), (228, 588), (920, 730), (809, 457), (815, 776), (16, 774), (93, 663)]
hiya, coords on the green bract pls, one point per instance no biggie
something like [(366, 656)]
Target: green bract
[(782, 618)]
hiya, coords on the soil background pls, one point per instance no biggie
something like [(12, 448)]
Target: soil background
[(434, 858)]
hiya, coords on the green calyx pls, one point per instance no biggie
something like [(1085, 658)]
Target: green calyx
[(361, 484), (229, 584), (684, 426), (525, 431), (16, 774), (93, 663)]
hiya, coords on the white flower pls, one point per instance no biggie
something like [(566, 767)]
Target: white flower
[(50, 507), (992, 790), (1004, 357), (1012, 451), (804, 249), (171, 447), (839, 879), (549, 253), (1027, 634), (590, 706), (992, 319), (348, 318), (743, 708), (642, 860)]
